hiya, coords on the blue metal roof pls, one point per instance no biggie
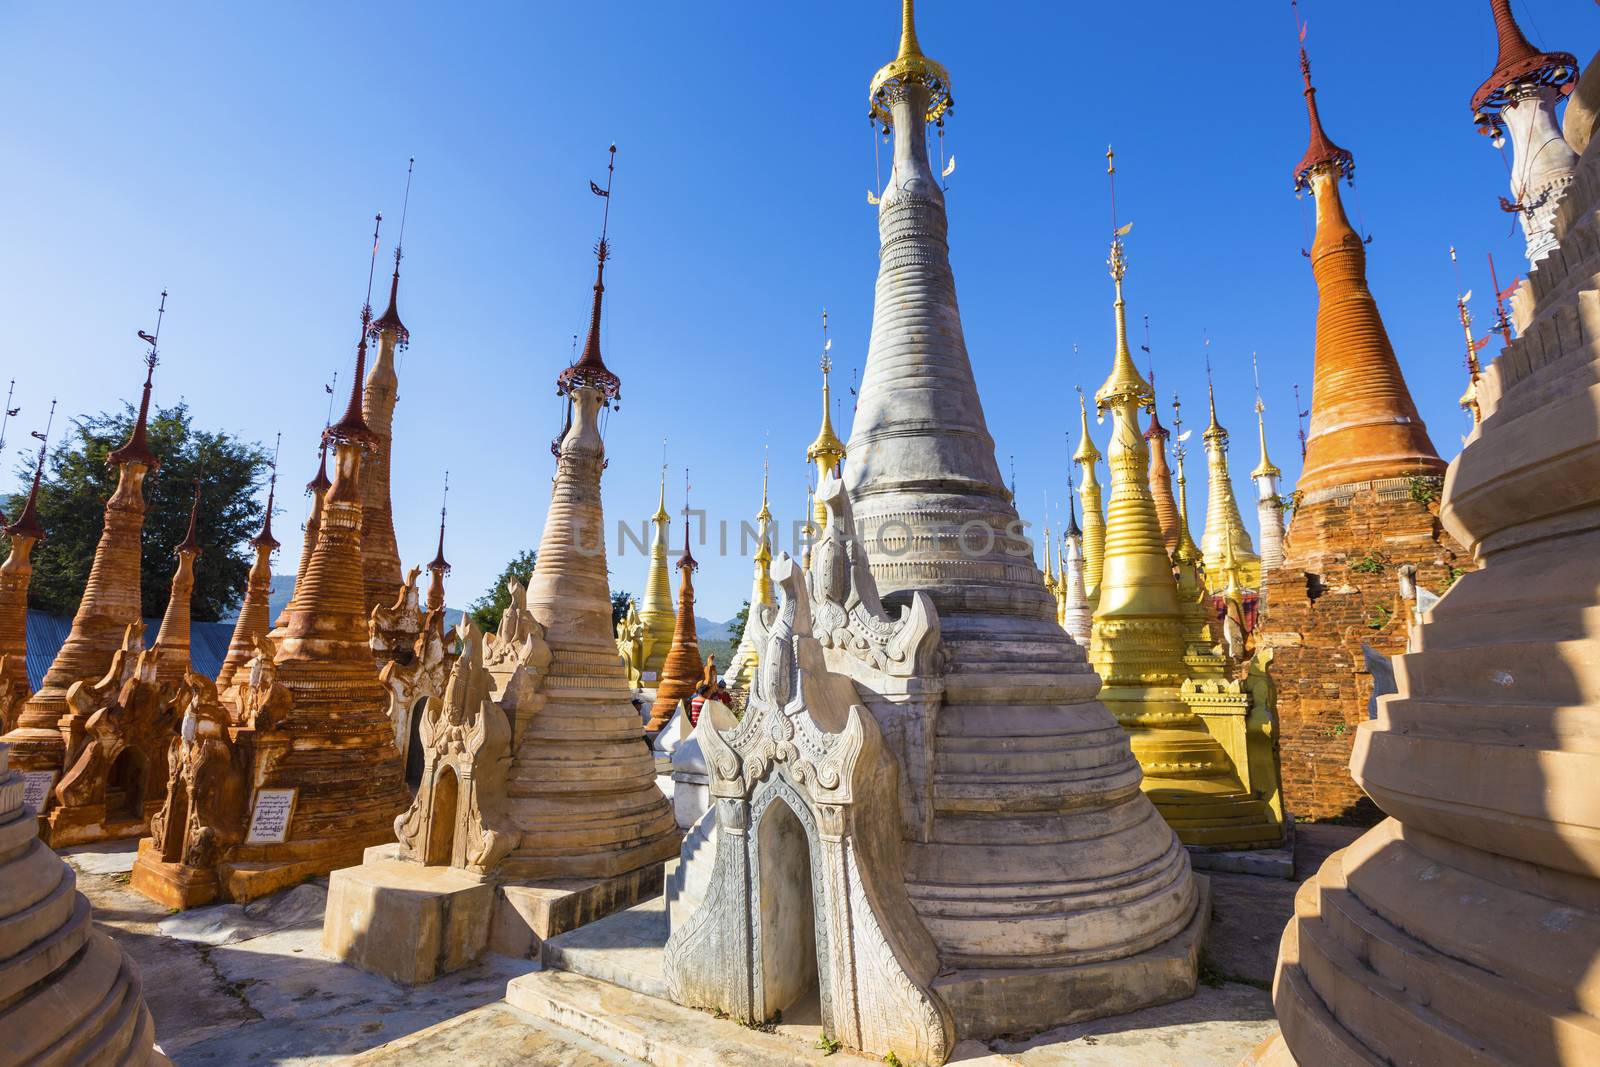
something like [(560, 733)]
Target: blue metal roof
[(208, 643)]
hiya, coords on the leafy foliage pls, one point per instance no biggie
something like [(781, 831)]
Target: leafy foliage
[(1426, 489), (736, 627), (619, 605), (78, 483), (487, 609)]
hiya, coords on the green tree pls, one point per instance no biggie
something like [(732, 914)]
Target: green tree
[(487, 609), (619, 605), (78, 483), (740, 621)]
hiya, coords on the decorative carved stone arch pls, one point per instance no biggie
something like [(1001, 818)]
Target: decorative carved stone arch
[(807, 746), (457, 818), (120, 729)]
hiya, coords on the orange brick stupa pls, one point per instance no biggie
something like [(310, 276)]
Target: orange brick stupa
[(684, 669), (254, 620), (110, 602), (16, 574), (305, 774), (1365, 506)]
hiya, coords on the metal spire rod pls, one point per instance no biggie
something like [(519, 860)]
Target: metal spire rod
[(1502, 322), (1300, 420), (1255, 373), (44, 438), (405, 205), (9, 411), (372, 268), (605, 216)]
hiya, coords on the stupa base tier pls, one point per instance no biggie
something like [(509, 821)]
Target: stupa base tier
[(404, 921), (176, 885), (88, 823), (252, 871), (1378, 964), (527, 914), (412, 923), (1025, 1000)]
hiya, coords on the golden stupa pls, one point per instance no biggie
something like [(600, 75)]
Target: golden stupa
[(1141, 645), (1094, 523)]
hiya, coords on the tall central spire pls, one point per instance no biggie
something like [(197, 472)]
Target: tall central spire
[(1009, 768), (1364, 425), (380, 392)]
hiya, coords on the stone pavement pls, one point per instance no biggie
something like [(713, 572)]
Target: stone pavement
[(270, 996), (231, 985)]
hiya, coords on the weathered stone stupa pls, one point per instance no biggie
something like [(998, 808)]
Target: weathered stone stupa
[(1139, 645), (307, 775), (68, 993), (537, 809), (1032, 858), (1465, 928), (381, 576), (174, 639), (15, 576), (1364, 507), (1519, 98), (1224, 524), (110, 604), (317, 489), (341, 772), (254, 620), (684, 668)]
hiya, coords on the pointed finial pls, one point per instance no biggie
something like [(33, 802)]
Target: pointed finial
[(265, 536), (1266, 468), (352, 427), (687, 563), (27, 524), (440, 565), (191, 543), (1519, 65), (390, 319), (827, 449), (909, 67), (1214, 428), (1321, 152), (1124, 383), (591, 371), (137, 448)]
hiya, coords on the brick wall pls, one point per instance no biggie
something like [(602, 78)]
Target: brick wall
[(1338, 587)]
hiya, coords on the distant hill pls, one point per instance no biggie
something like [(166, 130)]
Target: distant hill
[(706, 630), (283, 589)]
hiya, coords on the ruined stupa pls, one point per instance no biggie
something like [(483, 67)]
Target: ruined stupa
[(120, 727), (68, 993), (16, 574), (110, 604), (314, 764), (1048, 884), (254, 614), (1465, 927)]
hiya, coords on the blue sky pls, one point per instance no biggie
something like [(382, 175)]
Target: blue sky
[(235, 155)]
